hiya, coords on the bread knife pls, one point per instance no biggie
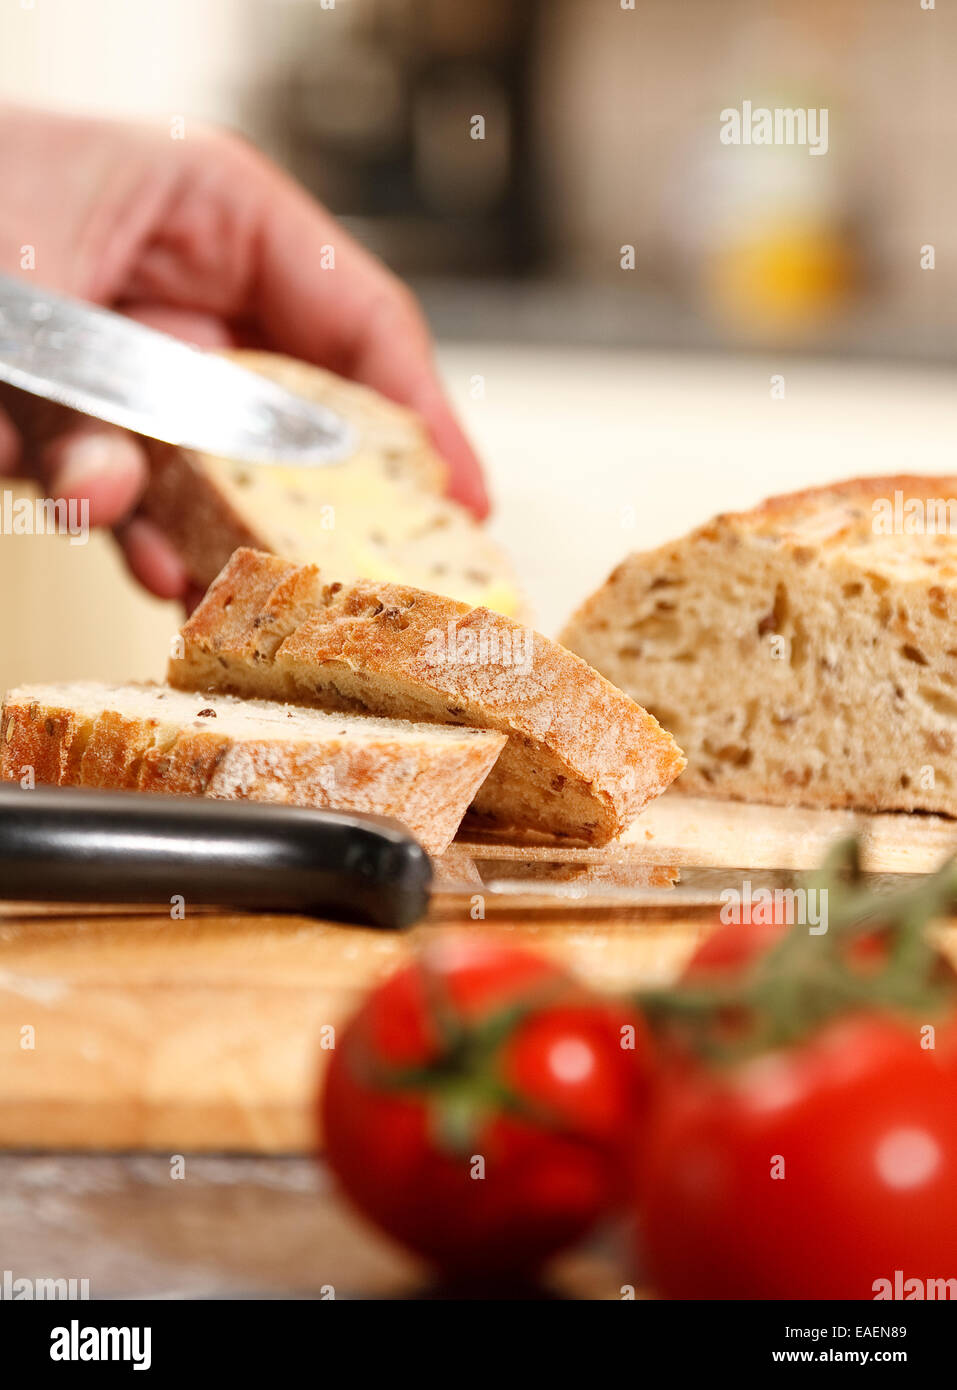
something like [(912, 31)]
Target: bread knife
[(114, 369), (84, 845)]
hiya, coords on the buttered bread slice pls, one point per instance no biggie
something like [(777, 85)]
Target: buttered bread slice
[(581, 760), (378, 513), (804, 652), (152, 738)]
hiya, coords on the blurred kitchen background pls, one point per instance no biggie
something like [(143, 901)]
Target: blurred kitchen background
[(623, 402)]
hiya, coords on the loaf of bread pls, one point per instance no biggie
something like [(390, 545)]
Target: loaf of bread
[(802, 652), (581, 758), (152, 738), (379, 513)]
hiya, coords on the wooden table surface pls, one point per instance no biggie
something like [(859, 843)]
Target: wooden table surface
[(212, 1047), (230, 1227), (215, 1046), (130, 1029)]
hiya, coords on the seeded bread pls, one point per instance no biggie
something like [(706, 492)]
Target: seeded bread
[(581, 759), (803, 653), (151, 738), (379, 513)]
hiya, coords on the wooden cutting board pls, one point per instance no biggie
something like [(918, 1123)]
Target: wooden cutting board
[(128, 1030)]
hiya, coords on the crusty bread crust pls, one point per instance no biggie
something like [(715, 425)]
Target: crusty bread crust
[(208, 507), (191, 511), (581, 760), (801, 652), (150, 738), (841, 509)]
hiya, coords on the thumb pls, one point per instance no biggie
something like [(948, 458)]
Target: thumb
[(72, 455), (98, 462)]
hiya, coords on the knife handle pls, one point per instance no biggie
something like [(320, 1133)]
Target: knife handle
[(66, 844)]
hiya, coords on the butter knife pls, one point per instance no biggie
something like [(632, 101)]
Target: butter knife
[(114, 369)]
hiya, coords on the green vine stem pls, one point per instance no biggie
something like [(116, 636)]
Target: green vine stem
[(807, 979)]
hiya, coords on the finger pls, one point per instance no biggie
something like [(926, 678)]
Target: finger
[(10, 451), (152, 560), (203, 330), (100, 463), (89, 459), (408, 374), (347, 312), (466, 481), (75, 456)]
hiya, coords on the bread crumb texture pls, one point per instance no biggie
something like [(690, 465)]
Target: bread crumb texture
[(804, 652), (581, 758), (153, 738), (380, 513)]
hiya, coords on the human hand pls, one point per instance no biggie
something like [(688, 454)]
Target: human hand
[(206, 239)]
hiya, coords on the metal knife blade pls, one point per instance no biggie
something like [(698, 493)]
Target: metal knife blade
[(97, 847), (108, 366), (695, 888)]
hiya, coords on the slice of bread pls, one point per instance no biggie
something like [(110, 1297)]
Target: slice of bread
[(803, 652), (152, 738), (581, 759), (380, 513)]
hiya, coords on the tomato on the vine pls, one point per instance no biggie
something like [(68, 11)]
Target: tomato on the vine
[(803, 1141), (732, 947), (813, 1172), (481, 1106)]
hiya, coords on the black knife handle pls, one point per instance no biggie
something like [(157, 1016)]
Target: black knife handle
[(66, 844)]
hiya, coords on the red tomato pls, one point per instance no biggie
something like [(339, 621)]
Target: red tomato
[(812, 1173), (731, 947), (720, 960), (494, 1147)]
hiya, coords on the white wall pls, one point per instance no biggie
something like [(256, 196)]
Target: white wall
[(152, 57)]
